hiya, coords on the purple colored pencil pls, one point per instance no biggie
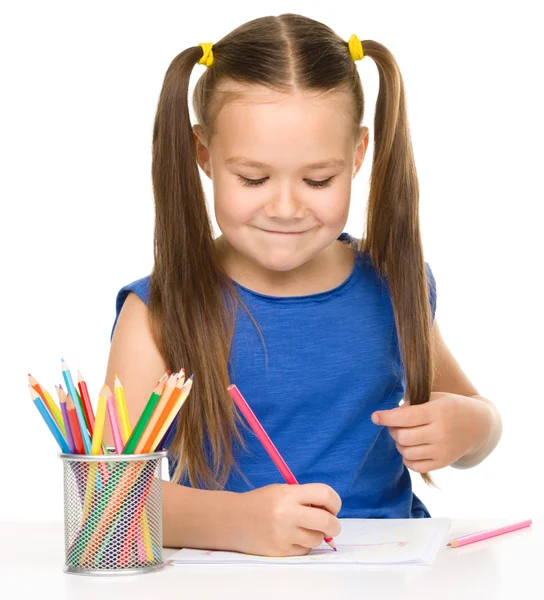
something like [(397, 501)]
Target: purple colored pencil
[(173, 424)]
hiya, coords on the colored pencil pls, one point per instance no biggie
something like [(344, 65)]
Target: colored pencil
[(488, 533), (97, 443), (157, 413), (126, 430), (49, 402), (134, 438), (112, 495), (170, 411), (74, 426), (64, 410), (49, 420), (114, 423), (86, 402), (162, 444), (121, 402), (77, 405), (265, 441), (130, 534), (100, 419)]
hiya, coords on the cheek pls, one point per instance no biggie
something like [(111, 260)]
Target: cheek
[(231, 204), (332, 209)]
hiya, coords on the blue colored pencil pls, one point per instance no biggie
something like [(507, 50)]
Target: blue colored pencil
[(79, 411), (49, 421)]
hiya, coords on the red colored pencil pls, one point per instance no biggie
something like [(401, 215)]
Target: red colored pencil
[(74, 424), (86, 401), (265, 440)]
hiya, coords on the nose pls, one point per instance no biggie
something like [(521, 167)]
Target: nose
[(285, 205)]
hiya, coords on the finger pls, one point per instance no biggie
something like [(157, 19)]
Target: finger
[(319, 495), (318, 519), (297, 550), (411, 436), (308, 538), (421, 452), (403, 416)]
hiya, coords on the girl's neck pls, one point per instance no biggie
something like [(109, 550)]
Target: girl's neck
[(331, 267)]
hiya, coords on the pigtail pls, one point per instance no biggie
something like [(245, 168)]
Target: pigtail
[(393, 234), (190, 316)]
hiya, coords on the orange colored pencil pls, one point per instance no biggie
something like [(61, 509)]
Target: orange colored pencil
[(167, 392), (53, 409), (164, 415)]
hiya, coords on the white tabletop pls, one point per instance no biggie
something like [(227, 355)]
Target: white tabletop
[(32, 562)]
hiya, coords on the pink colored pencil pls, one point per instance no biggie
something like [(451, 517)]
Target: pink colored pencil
[(114, 423), (487, 533), (265, 440)]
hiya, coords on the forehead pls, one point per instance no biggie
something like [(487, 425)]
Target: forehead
[(252, 118)]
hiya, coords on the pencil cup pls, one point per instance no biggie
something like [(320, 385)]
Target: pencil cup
[(112, 513)]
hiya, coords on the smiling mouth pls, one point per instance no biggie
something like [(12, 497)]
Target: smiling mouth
[(283, 232)]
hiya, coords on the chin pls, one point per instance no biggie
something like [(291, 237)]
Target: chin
[(277, 261)]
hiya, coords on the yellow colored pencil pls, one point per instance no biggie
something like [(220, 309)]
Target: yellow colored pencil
[(100, 419), (96, 444), (122, 409)]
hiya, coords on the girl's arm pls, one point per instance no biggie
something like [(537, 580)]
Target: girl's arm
[(450, 377), (275, 520), (191, 517)]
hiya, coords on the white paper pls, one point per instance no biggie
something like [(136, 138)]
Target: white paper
[(361, 541)]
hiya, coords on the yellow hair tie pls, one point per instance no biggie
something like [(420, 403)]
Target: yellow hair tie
[(207, 57), (355, 48)]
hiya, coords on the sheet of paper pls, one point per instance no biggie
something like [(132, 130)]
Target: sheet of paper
[(361, 541)]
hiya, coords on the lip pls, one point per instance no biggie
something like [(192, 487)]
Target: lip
[(283, 232)]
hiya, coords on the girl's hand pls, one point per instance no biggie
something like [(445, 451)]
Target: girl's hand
[(435, 434), (277, 520)]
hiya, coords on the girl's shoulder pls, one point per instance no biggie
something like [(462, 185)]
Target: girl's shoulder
[(364, 259), (140, 287)]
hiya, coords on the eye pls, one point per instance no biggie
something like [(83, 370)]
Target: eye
[(311, 183)]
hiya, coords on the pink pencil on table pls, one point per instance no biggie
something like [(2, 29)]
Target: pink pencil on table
[(114, 424), (266, 441), (487, 533)]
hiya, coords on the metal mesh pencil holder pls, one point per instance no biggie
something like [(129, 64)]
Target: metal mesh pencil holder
[(112, 513)]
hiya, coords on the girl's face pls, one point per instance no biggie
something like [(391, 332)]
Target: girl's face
[(281, 167)]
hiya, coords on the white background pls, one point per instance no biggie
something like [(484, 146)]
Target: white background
[(80, 87)]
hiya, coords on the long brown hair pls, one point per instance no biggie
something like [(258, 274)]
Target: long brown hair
[(192, 301)]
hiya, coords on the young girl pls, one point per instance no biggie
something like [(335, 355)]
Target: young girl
[(323, 334)]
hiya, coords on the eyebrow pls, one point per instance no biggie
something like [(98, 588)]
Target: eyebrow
[(246, 162)]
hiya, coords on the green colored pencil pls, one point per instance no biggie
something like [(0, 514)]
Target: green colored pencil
[(136, 434)]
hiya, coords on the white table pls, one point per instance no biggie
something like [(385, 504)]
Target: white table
[(508, 566)]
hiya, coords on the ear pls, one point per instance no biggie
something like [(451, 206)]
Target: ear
[(360, 150), (202, 152)]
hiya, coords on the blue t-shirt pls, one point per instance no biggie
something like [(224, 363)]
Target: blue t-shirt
[(333, 359)]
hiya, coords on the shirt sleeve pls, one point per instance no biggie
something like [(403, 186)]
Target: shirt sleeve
[(139, 287), (431, 282)]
